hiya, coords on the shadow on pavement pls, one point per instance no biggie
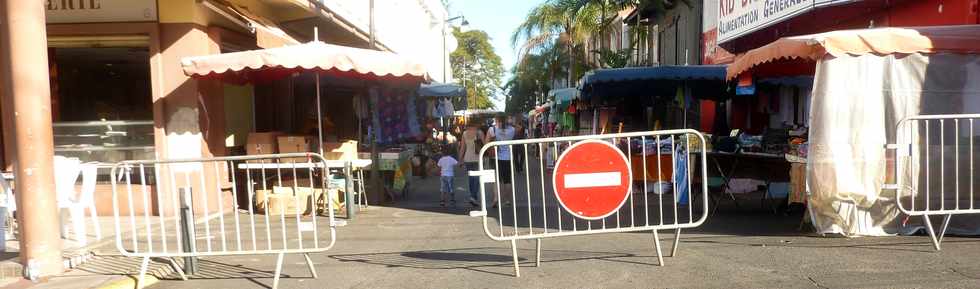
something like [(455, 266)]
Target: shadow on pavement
[(894, 243), (159, 267), (474, 259)]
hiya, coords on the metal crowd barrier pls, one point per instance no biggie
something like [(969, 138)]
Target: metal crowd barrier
[(935, 168), (531, 210), (210, 207)]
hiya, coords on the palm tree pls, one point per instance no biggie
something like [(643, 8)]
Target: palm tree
[(559, 30), (566, 24)]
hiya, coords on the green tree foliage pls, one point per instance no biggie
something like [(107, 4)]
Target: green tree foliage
[(564, 25), (530, 82), (475, 63), (552, 43)]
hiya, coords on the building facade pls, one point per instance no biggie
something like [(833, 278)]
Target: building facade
[(744, 25), (118, 91), (672, 36)]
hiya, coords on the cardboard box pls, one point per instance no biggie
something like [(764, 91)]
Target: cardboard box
[(346, 151), (262, 143), (294, 144), (283, 200)]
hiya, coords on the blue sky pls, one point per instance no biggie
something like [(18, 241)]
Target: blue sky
[(498, 18)]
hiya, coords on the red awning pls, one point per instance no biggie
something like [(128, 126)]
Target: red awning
[(878, 41), (273, 63)]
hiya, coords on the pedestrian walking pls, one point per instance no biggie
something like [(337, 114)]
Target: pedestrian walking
[(447, 164), (502, 131), (518, 157), (469, 153)]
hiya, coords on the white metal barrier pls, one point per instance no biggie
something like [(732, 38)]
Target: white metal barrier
[(935, 168), (210, 207), (530, 208)]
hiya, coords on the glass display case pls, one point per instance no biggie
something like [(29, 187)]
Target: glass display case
[(104, 141)]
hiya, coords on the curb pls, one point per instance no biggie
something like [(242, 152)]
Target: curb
[(129, 282), (70, 260)]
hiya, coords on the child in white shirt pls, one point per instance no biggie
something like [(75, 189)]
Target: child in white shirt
[(448, 166)]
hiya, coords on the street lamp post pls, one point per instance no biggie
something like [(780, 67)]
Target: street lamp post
[(445, 71), (445, 52)]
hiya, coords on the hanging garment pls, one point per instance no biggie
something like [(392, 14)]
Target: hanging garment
[(414, 127), (720, 126), (375, 99), (430, 108), (446, 108), (680, 177)]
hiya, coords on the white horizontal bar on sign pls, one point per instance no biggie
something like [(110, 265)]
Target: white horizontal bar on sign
[(589, 180)]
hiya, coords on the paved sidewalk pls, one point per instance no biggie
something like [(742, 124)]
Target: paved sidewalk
[(418, 244), (421, 245)]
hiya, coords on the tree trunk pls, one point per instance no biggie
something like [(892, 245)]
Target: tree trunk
[(571, 65)]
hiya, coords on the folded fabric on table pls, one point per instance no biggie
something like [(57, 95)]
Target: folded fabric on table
[(743, 185)]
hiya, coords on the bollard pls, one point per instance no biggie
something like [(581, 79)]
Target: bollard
[(348, 193), (187, 231)]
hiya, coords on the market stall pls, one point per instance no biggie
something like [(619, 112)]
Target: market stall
[(670, 97), (646, 98), (565, 112), (390, 81), (481, 116), (864, 83), (440, 101)]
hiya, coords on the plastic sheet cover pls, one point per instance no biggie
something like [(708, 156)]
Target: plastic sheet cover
[(857, 104)]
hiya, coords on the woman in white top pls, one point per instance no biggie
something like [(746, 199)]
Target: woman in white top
[(502, 131), (469, 153)]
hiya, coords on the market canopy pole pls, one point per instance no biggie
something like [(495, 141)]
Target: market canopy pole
[(319, 112), (26, 75)]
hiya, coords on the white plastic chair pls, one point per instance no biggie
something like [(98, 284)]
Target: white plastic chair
[(86, 198), (9, 201), (11, 205), (65, 175)]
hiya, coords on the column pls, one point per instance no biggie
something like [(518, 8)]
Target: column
[(26, 77)]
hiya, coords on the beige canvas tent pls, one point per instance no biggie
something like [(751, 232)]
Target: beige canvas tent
[(865, 83)]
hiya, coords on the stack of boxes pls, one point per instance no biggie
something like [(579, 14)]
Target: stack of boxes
[(293, 196)]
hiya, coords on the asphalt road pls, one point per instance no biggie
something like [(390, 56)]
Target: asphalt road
[(421, 245)]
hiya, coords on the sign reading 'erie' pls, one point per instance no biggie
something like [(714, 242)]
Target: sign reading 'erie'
[(95, 11)]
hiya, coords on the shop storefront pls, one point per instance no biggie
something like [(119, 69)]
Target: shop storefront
[(118, 92)]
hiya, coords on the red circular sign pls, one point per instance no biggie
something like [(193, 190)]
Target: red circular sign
[(592, 179)]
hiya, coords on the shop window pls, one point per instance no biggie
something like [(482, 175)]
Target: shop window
[(102, 103)]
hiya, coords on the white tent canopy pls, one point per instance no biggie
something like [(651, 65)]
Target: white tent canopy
[(866, 81), (857, 104)]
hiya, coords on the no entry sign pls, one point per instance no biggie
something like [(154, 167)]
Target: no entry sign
[(592, 179)]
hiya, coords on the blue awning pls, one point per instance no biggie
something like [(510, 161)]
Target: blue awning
[(666, 72), (441, 90), (707, 81), (563, 95)]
